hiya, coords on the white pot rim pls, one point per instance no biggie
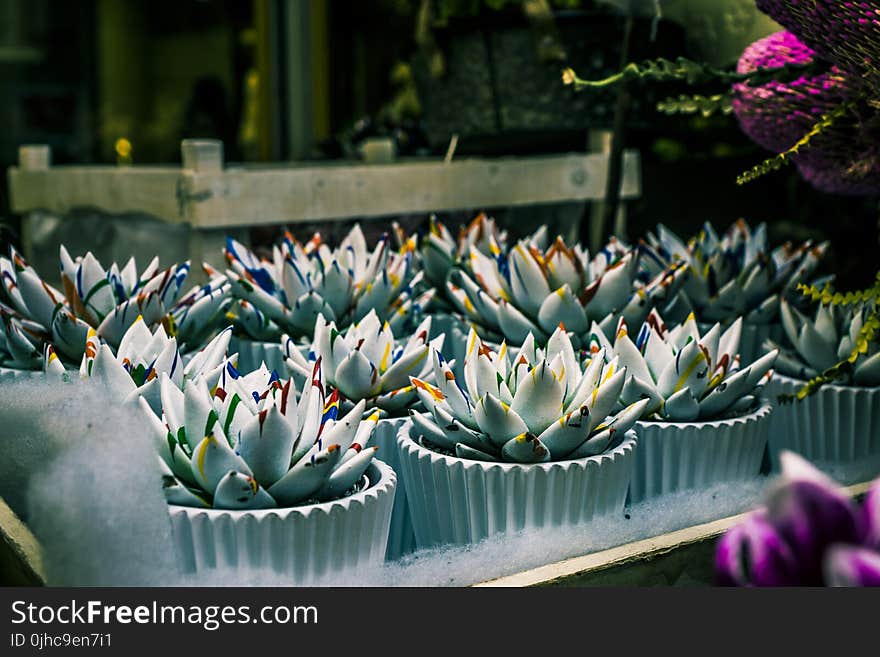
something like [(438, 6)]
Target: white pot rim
[(408, 444), (764, 409), (825, 386), (382, 479), (22, 370)]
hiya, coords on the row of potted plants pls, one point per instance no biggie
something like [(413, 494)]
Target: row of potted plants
[(498, 381)]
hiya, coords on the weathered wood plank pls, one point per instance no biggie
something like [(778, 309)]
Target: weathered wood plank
[(230, 197), (237, 197), (116, 190)]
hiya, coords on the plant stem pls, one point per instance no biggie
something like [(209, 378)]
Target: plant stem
[(615, 158)]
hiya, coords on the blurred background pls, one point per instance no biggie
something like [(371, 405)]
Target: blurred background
[(121, 82)]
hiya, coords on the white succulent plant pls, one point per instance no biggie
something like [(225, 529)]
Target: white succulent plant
[(830, 337), (440, 252), (201, 313), (142, 359), (257, 443), (107, 300), (366, 361), (303, 281), (527, 291), (737, 274), (540, 406), (682, 374), (21, 339)]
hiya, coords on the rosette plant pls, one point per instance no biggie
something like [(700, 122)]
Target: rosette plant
[(255, 443), (20, 340), (143, 358), (440, 252), (541, 406), (682, 374), (304, 280), (527, 291), (838, 343), (107, 300), (366, 362), (201, 313), (808, 533), (737, 274)]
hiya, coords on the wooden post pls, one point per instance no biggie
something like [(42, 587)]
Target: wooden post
[(202, 156), (32, 157)]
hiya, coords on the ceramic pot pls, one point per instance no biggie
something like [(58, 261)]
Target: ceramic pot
[(677, 456), (401, 538), (460, 501), (251, 353), (836, 424), (302, 543)]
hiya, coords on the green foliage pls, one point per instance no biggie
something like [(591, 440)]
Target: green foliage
[(777, 161), (825, 295), (686, 70), (692, 104)]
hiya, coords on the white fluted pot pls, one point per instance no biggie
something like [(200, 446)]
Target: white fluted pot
[(836, 424), (459, 501), (401, 537), (13, 374), (677, 456), (302, 543), (251, 353)]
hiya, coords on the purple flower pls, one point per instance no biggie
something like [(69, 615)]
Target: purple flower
[(754, 554), (810, 512), (809, 533), (848, 565), (775, 115), (843, 32), (844, 158)]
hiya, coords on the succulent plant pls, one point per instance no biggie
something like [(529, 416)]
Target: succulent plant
[(529, 291), (366, 362), (809, 533), (440, 252), (256, 443), (541, 406), (684, 375), (107, 300), (201, 313), (737, 274), (20, 340), (143, 358), (832, 336), (305, 280)]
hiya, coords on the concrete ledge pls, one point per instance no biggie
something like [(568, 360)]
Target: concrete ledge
[(21, 561), (680, 558)]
